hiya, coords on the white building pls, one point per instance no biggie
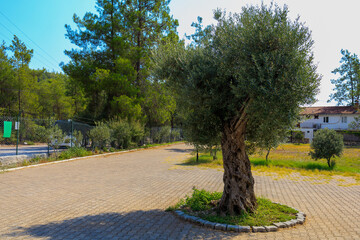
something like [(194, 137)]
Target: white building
[(337, 118)]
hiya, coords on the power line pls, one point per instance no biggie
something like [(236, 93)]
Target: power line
[(56, 61), (28, 47)]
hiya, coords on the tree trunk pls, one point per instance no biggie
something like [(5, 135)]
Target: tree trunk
[(238, 196), (267, 155)]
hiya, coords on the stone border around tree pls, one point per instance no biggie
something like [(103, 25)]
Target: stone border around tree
[(300, 219)]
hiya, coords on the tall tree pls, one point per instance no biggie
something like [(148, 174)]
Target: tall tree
[(21, 60), (113, 60), (347, 87), (8, 97), (248, 74)]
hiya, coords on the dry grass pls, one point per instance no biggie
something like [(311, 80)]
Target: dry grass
[(293, 162)]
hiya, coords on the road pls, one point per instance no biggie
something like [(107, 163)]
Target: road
[(23, 150)]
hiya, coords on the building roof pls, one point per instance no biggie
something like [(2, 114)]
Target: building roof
[(329, 110)]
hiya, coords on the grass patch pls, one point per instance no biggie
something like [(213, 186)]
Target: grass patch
[(74, 152), (293, 158), (203, 204)]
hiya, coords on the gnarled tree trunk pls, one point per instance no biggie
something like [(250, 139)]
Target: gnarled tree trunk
[(238, 195)]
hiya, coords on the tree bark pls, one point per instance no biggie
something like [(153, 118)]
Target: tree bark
[(238, 195)]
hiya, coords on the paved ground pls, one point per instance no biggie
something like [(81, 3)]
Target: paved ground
[(124, 196)]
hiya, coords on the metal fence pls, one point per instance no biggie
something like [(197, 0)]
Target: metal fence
[(29, 135), (33, 136)]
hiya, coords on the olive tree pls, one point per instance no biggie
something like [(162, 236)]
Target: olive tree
[(327, 143), (245, 77)]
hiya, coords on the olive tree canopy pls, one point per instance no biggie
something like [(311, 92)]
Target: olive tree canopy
[(244, 79)]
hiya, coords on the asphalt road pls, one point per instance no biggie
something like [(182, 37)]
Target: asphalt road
[(23, 150)]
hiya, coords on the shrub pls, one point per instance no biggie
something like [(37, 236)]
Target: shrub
[(78, 138), (100, 135), (327, 144), (74, 152), (125, 134), (200, 199), (161, 134), (299, 137), (175, 134)]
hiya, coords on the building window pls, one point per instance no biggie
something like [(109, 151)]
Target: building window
[(344, 119), (326, 119), (316, 117)]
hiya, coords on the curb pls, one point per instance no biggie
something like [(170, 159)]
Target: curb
[(81, 158), (300, 219)]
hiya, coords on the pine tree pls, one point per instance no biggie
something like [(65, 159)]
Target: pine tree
[(112, 65), (347, 87)]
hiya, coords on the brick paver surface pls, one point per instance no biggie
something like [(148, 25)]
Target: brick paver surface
[(124, 196)]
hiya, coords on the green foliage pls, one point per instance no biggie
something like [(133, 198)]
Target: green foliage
[(355, 125), (100, 135), (161, 134), (202, 204), (347, 86), (30, 131), (266, 214), (327, 144), (55, 137), (37, 93), (74, 152), (200, 199), (256, 66), (299, 137), (78, 138), (125, 134), (111, 66)]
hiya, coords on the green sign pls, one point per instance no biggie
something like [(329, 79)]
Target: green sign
[(7, 129)]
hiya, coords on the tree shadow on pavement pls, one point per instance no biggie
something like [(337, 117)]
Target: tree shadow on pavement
[(153, 224), (179, 150)]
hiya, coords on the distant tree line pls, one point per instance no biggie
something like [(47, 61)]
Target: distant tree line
[(34, 93), (109, 75)]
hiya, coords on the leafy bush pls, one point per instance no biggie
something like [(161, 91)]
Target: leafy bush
[(162, 134), (327, 144), (125, 134), (74, 152), (78, 138), (299, 137), (100, 135), (200, 199), (175, 134)]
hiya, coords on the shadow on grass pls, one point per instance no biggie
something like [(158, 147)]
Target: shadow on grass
[(192, 161), (153, 224)]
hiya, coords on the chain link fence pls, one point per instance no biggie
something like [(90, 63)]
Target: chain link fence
[(35, 136), (32, 136)]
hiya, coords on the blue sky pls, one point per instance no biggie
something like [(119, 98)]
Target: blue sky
[(333, 25)]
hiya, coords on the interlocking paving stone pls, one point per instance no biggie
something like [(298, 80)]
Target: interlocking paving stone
[(124, 196)]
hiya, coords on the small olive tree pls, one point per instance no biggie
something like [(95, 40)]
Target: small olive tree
[(100, 135), (327, 144), (55, 136)]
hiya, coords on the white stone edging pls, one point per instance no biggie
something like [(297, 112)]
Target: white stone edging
[(300, 219)]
